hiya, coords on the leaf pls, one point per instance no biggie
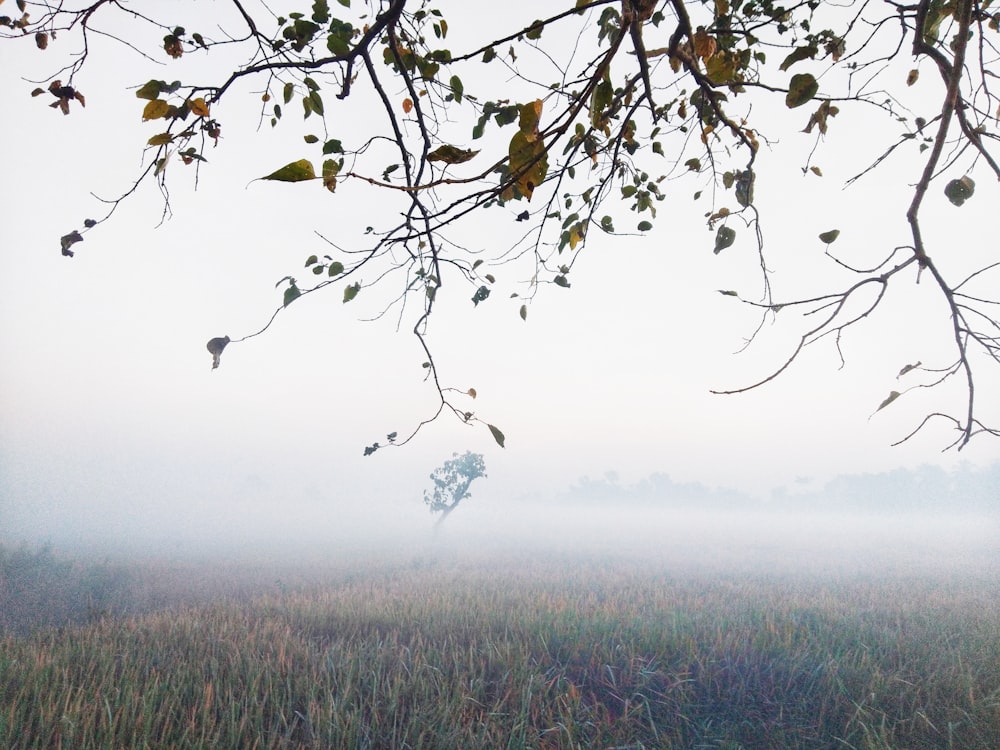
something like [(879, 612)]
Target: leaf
[(524, 312), (724, 238), (960, 190), (908, 368), (893, 395), (562, 281), (526, 153), (729, 293), (351, 291), (149, 90), (497, 435), (451, 154), (472, 392), (799, 53), (482, 293), (331, 167), (457, 88), (645, 226), (407, 105), (310, 139), (215, 347), (160, 139), (335, 269), (744, 187), (311, 260), (829, 237), (292, 293), (155, 109), (912, 76), (68, 240), (801, 89), (198, 107), (296, 171), (333, 146), (704, 44), (819, 117), (288, 92)]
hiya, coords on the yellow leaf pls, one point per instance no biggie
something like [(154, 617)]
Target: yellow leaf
[(297, 171), (154, 110), (198, 107), (527, 154), (160, 139)]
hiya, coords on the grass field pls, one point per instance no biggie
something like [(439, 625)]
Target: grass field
[(448, 648)]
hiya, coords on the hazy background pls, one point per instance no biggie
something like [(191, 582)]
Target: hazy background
[(115, 431)]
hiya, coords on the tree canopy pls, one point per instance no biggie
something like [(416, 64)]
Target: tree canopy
[(572, 122), (452, 480)]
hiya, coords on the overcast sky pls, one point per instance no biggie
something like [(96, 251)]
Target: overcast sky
[(110, 414)]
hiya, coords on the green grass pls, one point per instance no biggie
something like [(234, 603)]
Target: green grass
[(552, 651)]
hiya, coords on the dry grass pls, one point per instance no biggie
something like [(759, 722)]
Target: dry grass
[(547, 652)]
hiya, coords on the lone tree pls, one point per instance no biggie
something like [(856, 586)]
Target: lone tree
[(452, 480), (572, 126)]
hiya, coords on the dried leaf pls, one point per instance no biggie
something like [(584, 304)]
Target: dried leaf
[(215, 347)]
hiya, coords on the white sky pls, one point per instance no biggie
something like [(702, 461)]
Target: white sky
[(110, 414)]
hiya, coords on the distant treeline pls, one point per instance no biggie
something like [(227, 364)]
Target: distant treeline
[(927, 489)]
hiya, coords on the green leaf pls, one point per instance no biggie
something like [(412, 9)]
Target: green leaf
[(724, 238), (457, 88), (335, 269), (829, 237), (960, 190), (497, 435), (288, 92), (311, 260), (316, 102), (149, 90), (535, 30), (728, 293), (351, 291), (524, 312), (801, 89), (292, 293), (799, 53), (645, 226), (297, 171), (482, 293), (333, 146), (561, 281)]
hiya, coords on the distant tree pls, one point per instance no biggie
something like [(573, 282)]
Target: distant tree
[(451, 483), (583, 113)]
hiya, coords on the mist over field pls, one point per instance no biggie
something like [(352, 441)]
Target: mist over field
[(881, 522), (611, 615)]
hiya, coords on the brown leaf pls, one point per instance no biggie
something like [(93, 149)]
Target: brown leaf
[(198, 107)]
